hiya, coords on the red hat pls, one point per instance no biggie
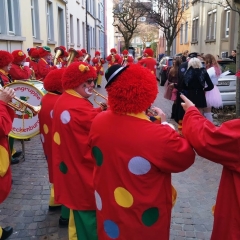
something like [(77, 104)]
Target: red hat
[(131, 89), (95, 60), (80, 53), (97, 53), (125, 52), (5, 58), (76, 74), (44, 51), (149, 52), (29, 50), (113, 50), (53, 80), (83, 51), (35, 53), (18, 56)]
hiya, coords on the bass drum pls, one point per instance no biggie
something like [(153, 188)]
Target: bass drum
[(25, 125)]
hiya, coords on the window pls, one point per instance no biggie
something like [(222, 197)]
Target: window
[(195, 30), (50, 21), (211, 25), (181, 34), (94, 38), (71, 29), (137, 40), (186, 32), (10, 17), (83, 35), (33, 19), (227, 22), (78, 32)]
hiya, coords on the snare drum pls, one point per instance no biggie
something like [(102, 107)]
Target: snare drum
[(25, 125)]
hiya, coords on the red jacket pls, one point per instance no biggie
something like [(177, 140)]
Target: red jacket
[(132, 175), (6, 78), (44, 68), (18, 72), (6, 119), (45, 125), (220, 145), (34, 66), (149, 63), (72, 161)]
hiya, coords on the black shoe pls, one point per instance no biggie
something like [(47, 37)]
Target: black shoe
[(53, 208), (17, 154), (99, 86), (14, 161), (7, 231), (63, 222), (27, 139)]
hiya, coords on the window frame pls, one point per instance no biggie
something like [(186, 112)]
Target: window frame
[(195, 29), (13, 32), (211, 25), (227, 22)]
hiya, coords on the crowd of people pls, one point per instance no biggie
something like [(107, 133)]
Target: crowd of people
[(108, 174)]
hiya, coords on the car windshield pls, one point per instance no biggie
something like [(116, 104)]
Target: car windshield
[(228, 66)]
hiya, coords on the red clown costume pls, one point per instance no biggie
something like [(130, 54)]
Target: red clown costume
[(6, 119), (53, 84), (34, 63), (44, 63), (148, 61), (98, 65), (6, 59), (220, 145), (29, 51), (73, 165), (18, 71), (113, 58), (132, 176), (125, 59)]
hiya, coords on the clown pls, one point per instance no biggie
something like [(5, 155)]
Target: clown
[(73, 165), (113, 58), (148, 61), (126, 58), (132, 175), (98, 65)]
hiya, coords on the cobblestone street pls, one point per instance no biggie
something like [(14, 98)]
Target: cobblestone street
[(26, 208)]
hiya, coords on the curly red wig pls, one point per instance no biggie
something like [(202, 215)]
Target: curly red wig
[(113, 50), (125, 52), (97, 53), (76, 74), (133, 90), (83, 51), (149, 52), (18, 56), (35, 53), (53, 80), (5, 58)]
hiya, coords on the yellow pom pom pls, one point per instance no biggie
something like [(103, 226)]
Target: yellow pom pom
[(83, 68), (20, 53)]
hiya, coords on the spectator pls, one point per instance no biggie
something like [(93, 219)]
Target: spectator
[(184, 56), (233, 55)]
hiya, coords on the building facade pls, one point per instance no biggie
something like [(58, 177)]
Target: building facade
[(75, 23), (210, 29)]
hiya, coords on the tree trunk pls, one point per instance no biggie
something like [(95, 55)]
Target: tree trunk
[(168, 48), (237, 68)]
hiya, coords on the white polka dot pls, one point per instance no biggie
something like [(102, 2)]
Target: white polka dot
[(139, 166), (65, 117), (98, 200), (51, 114), (42, 137)]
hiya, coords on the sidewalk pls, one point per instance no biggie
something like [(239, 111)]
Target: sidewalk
[(26, 208)]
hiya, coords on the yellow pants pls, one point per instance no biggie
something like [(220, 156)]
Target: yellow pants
[(1, 231), (51, 199), (99, 80)]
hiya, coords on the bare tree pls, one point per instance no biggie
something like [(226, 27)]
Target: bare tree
[(147, 33), (127, 15), (167, 14)]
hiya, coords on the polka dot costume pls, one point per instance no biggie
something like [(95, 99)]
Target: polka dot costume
[(132, 177)]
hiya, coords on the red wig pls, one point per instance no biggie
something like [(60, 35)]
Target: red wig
[(44, 51), (76, 74), (5, 58), (125, 52), (83, 51), (149, 52), (95, 60), (53, 80), (97, 53), (18, 56), (133, 90), (113, 50), (35, 53)]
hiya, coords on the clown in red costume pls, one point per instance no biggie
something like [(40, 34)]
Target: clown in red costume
[(125, 59), (220, 145), (34, 63), (45, 61), (113, 58), (148, 61), (6, 59), (98, 65), (73, 164), (18, 70), (6, 119), (134, 159)]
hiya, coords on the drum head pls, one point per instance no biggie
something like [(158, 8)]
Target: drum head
[(25, 125)]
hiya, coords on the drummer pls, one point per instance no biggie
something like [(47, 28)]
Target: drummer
[(6, 59), (20, 68)]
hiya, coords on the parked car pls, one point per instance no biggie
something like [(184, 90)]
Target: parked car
[(227, 83), (162, 69)]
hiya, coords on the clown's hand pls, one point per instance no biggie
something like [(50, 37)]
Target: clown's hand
[(187, 103)]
